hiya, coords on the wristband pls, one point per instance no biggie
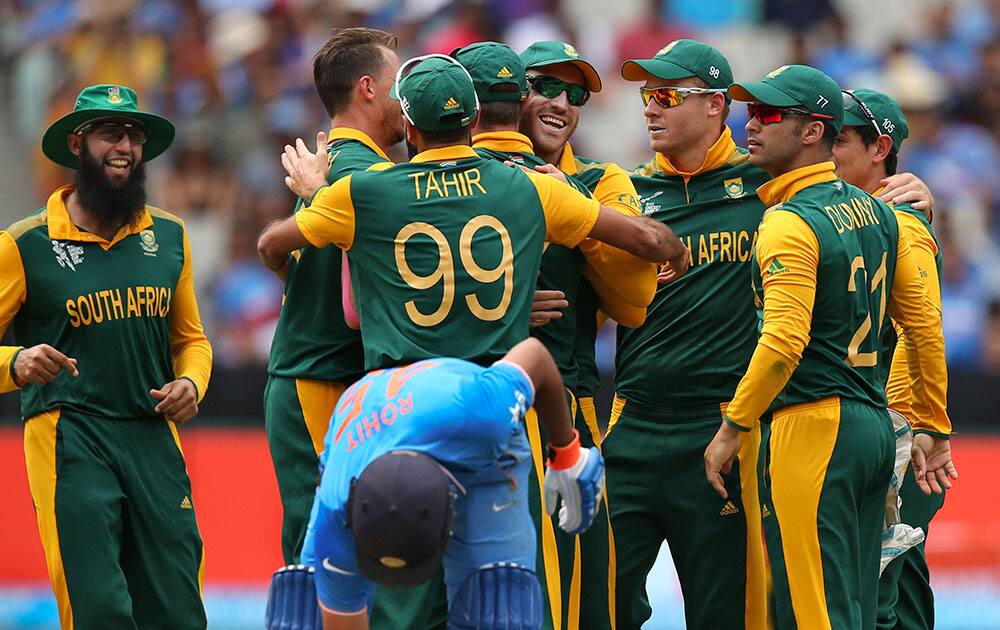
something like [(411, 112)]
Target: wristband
[(191, 380), (13, 372), (563, 457)]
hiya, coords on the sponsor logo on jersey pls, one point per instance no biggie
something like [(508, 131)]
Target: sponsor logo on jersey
[(147, 240), (734, 187), (775, 268), (67, 254), (502, 506)]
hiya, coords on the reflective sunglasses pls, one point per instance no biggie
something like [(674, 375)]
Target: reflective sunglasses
[(667, 97), (849, 96), (551, 87), (409, 65), (770, 114), (112, 132)]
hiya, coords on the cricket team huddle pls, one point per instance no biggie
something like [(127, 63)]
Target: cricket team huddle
[(780, 385)]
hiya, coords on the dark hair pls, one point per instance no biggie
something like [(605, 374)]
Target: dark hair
[(462, 135), (868, 137), (829, 135), (500, 113), (348, 55)]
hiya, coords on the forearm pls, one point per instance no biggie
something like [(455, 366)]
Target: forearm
[(193, 361), (618, 276), (767, 374), (550, 397)]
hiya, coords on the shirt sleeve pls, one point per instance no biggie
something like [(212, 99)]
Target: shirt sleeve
[(13, 292), (329, 216), (909, 303), (897, 389), (569, 216), (625, 283), (789, 295), (329, 548), (498, 399), (192, 353)]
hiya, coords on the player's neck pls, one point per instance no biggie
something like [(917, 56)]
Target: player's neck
[(355, 120), (690, 158), (873, 181), (802, 159), (85, 220)]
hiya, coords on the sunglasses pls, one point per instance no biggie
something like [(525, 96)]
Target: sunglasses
[(849, 96), (667, 97), (551, 87), (113, 132), (770, 114)]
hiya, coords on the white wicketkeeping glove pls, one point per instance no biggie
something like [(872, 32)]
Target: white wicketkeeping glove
[(580, 483)]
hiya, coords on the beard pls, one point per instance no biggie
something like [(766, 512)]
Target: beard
[(113, 204)]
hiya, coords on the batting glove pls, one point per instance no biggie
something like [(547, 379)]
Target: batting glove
[(577, 475)]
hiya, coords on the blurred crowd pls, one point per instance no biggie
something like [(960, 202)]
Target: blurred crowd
[(236, 78)]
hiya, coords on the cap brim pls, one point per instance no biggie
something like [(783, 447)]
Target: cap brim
[(761, 93), (398, 578), (642, 69), (159, 134), (591, 80)]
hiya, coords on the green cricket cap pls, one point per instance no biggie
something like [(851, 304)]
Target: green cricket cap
[(105, 101), (796, 86), (491, 66), (437, 95), (542, 54), (885, 110), (680, 59)]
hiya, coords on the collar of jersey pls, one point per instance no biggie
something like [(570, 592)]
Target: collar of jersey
[(62, 228), (784, 187), (718, 154), (567, 161), (349, 133), (444, 154), (506, 141)]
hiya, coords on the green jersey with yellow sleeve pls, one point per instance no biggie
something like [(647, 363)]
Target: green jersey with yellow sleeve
[(699, 331), (124, 309), (312, 340), (445, 251)]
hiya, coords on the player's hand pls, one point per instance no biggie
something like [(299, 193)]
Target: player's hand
[(552, 171), (719, 457), (932, 465), (580, 484), (907, 188), (545, 307), (41, 364), (306, 170), (178, 400), (675, 268)]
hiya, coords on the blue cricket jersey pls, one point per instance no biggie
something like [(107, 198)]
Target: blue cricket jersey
[(463, 415)]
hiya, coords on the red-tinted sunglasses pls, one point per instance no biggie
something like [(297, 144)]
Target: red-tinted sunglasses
[(770, 114)]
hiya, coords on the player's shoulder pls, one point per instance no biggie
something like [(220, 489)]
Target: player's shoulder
[(349, 155), (37, 220), (738, 165), (161, 215)]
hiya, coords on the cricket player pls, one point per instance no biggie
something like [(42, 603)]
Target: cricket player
[(866, 151), (445, 249), (314, 355), (830, 264), (561, 82), (111, 357), (431, 461), (500, 80)]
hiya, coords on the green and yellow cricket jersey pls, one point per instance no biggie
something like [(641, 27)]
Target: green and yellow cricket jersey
[(125, 309), (445, 251), (836, 250), (699, 331), (312, 340), (562, 267)]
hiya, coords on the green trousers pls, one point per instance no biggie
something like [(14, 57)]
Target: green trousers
[(296, 417), (658, 492), (826, 475), (116, 517), (905, 598)]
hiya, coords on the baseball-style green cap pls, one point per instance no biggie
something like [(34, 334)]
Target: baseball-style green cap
[(796, 86), (542, 54), (885, 113), (680, 59), (493, 65), (436, 94), (105, 101)]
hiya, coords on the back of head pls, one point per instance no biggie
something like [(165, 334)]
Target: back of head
[(348, 55), (498, 76)]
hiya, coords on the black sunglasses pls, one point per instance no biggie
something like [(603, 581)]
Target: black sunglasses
[(551, 87), (850, 96)]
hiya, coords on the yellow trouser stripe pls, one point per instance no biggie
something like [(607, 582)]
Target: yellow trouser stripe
[(317, 399), (802, 442), (590, 418), (617, 407), (573, 614), (550, 553), (612, 561), (756, 569), (40, 458)]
